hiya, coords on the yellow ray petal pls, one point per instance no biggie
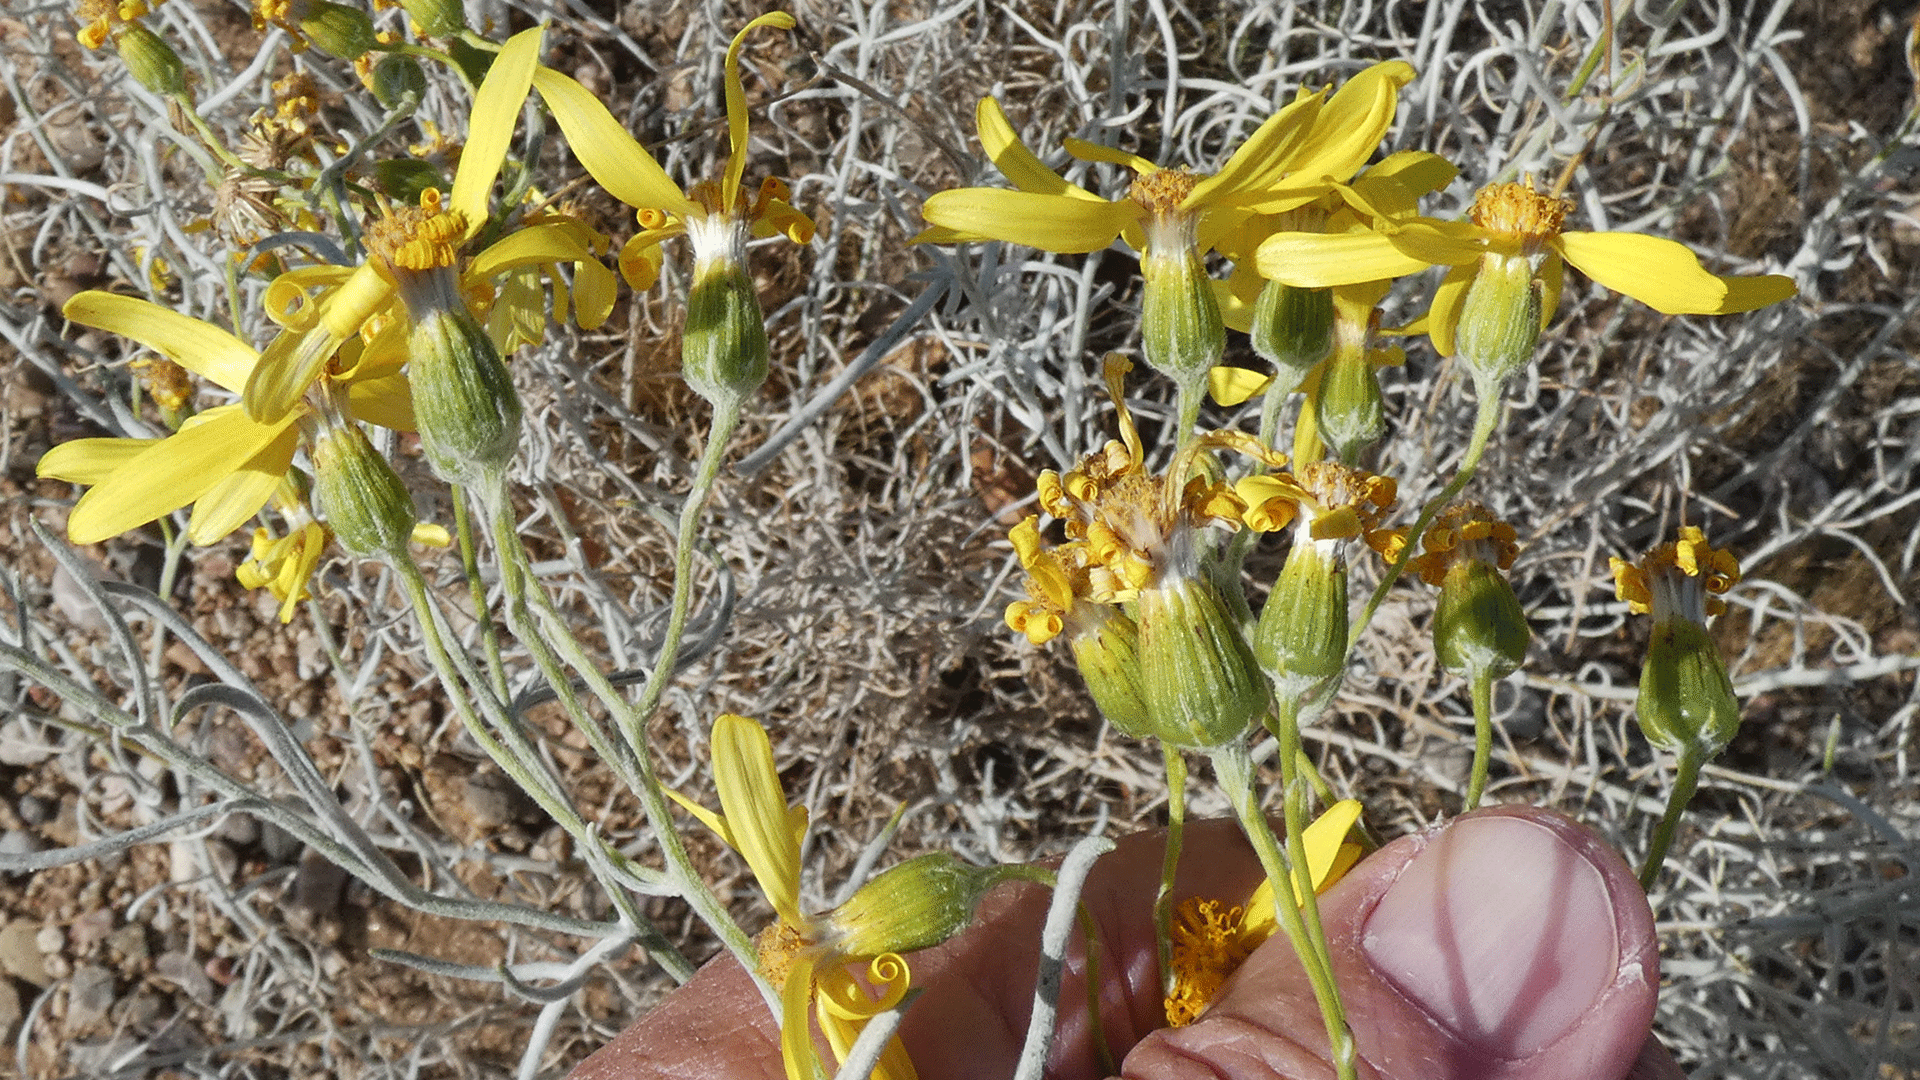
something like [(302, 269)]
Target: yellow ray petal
[(1443, 314), (1267, 155), (200, 347), (1750, 293), (1328, 859), (756, 811), (170, 474), (1316, 260), (89, 461), (604, 148), (531, 246), (292, 299), (1049, 222), (1664, 275), (1350, 127), (705, 816), (1231, 385), (594, 291), (496, 108), (737, 105), (230, 503), (1087, 151), (386, 401), (1415, 171), (1017, 163), (796, 1026)]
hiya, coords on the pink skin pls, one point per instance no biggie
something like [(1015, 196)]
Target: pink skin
[(1508, 943)]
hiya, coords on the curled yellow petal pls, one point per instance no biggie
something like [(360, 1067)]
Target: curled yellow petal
[(737, 105), (1350, 127), (496, 107), (1267, 155), (756, 811), (200, 347)]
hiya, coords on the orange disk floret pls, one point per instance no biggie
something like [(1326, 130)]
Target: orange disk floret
[(1466, 531)]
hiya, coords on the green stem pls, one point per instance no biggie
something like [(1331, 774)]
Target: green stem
[(1189, 394), (1483, 426), (457, 675), (1686, 776), (470, 565), (1170, 861), (1482, 692), (1293, 802), (1096, 1029), (1234, 769), (632, 719), (725, 420)]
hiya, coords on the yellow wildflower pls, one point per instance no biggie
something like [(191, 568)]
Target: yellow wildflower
[(1507, 222), (1211, 941), (222, 461), (418, 250), (715, 217)]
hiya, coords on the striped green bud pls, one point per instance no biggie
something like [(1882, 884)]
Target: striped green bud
[(1203, 686)]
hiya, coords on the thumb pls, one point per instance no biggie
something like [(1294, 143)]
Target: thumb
[(1510, 943)]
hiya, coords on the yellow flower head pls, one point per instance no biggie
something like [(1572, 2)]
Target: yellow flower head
[(1510, 221), (1683, 579), (1138, 529), (1211, 941), (221, 460), (1463, 531), (101, 19), (1328, 501), (1289, 161), (415, 252), (799, 954), (714, 215)]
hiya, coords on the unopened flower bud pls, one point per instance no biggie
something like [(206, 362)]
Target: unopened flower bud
[(1499, 320), (393, 79), (1181, 331), (150, 60), (464, 402), (723, 351), (1301, 638), (1293, 331), (358, 494), (437, 18), (1685, 695), (1347, 407), (1478, 627), (1108, 655), (338, 30), (1203, 687), (915, 905)]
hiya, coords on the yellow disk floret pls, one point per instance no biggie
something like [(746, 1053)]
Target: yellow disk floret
[(420, 238), (1208, 947), (1677, 577), (100, 18), (1518, 211), (1466, 531)]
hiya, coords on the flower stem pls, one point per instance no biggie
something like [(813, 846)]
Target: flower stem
[(470, 565), (1234, 769), (1170, 861), (1482, 692), (1489, 415), (1686, 776)]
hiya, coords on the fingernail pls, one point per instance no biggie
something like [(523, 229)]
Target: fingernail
[(1502, 930)]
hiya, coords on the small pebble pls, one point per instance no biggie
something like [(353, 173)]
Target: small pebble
[(20, 952), (89, 997)]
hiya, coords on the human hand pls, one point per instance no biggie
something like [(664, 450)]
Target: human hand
[(1507, 943)]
